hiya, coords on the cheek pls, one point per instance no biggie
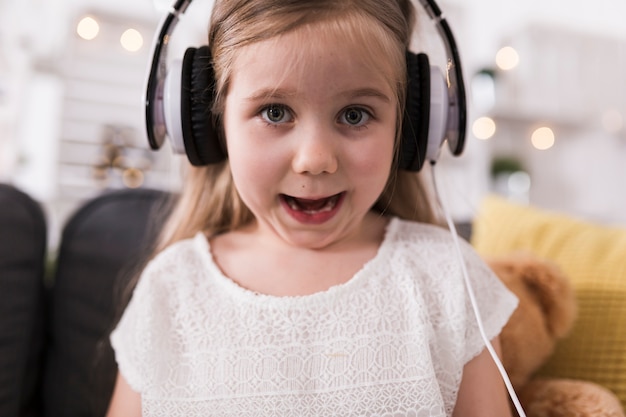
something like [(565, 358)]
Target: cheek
[(253, 168), (239, 142), (239, 155), (251, 187), (379, 155), (246, 167), (250, 159), (375, 160), (251, 152)]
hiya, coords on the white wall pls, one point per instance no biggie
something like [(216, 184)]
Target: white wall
[(490, 22), (583, 174)]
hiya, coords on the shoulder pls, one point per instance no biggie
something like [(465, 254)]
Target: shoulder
[(426, 256), (169, 288), (184, 257), (408, 230), (448, 273), (423, 240), (187, 249), (172, 276), (439, 263)]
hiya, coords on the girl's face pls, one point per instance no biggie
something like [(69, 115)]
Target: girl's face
[(310, 130)]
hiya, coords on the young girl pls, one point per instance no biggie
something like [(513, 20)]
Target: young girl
[(301, 276)]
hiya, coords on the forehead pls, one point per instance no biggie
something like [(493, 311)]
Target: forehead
[(356, 45)]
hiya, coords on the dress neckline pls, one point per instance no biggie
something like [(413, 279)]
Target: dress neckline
[(334, 292)]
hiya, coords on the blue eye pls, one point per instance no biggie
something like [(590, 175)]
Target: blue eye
[(275, 114), (355, 116)]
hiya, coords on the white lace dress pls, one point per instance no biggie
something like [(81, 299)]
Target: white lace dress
[(392, 341)]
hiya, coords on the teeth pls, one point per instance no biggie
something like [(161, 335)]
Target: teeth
[(330, 204), (292, 203), (300, 205)]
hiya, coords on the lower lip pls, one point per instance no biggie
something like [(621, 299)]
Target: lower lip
[(313, 218)]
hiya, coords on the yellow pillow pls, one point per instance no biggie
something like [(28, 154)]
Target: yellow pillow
[(594, 257)]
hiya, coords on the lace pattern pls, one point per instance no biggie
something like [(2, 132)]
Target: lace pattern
[(392, 341)]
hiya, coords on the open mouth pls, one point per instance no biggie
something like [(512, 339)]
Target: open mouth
[(312, 206)]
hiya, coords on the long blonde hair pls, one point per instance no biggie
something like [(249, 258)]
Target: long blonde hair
[(209, 201)]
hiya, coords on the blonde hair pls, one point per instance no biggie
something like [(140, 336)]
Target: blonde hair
[(209, 201)]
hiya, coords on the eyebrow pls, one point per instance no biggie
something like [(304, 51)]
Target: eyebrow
[(271, 93), (367, 92), (282, 94)]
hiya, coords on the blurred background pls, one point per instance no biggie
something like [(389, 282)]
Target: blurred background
[(545, 79)]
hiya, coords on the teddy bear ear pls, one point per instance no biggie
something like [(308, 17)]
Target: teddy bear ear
[(554, 293)]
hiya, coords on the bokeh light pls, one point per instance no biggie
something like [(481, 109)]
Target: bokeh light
[(484, 128), (543, 138), (88, 28), (507, 58), (131, 40)]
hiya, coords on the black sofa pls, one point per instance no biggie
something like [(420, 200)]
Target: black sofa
[(55, 358)]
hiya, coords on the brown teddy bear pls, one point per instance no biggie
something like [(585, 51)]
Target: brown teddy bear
[(546, 313)]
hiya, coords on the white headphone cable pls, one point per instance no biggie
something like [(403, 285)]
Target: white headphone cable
[(470, 292)]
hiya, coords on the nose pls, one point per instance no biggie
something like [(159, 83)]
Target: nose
[(316, 151)]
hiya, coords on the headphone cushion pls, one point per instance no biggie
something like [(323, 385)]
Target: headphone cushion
[(417, 113), (201, 139)]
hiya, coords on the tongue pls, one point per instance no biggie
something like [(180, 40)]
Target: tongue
[(311, 205)]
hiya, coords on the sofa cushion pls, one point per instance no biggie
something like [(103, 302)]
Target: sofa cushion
[(101, 245), (22, 252), (594, 257)]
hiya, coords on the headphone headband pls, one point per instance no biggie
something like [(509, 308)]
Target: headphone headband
[(457, 120), (153, 100)]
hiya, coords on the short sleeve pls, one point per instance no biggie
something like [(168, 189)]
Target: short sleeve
[(494, 300), (142, 330), (439, 299)]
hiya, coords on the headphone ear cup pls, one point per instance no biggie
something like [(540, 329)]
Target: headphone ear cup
[(200, 137), (415, 123)]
